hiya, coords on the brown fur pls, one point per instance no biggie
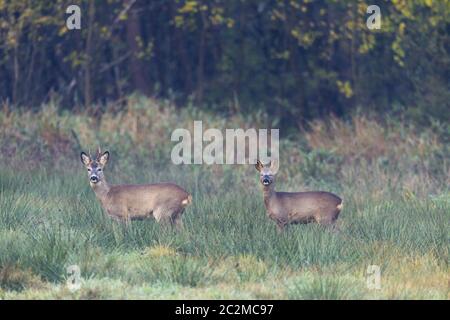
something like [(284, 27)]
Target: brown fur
[(297, 207), (165, 202)]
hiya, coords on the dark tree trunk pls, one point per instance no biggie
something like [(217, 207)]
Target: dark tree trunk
[(201, 58), (89, 51), (136, 66)]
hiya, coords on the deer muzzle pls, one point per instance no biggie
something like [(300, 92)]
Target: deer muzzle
[(266, 181)]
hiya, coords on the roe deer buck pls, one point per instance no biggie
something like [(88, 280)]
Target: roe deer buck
[(164, 201), (297, 207)]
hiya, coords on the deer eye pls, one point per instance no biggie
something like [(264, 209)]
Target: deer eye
[(99, 169), (89, 169)]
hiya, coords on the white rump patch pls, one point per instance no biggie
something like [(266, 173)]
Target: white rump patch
[(186, 201)]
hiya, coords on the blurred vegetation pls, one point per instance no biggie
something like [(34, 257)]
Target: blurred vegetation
[(406, 158), (296, 60)]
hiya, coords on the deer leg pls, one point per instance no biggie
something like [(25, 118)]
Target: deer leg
[(280, 226), (335, 227), (117, 216), (158, 214), (176, 221), (117, 219), (164, 217), (330, 223)]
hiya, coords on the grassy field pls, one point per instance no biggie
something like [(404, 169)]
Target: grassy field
[(393, 177)]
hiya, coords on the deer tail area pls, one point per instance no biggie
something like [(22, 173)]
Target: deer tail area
[(187, 201), (340, 205)]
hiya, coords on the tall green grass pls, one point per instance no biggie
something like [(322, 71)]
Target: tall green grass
[(47, 224), (396, 215)]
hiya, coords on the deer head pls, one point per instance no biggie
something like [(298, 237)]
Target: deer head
[(95, 166), (267, 172)]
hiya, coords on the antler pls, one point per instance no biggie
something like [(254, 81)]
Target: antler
[(99, 153)]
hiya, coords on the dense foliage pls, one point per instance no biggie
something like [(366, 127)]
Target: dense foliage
[(295, 59)]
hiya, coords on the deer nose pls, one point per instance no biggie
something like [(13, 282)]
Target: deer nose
[(266, 181), (94, 179)]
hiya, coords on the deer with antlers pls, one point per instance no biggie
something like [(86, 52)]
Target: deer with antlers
[(165, 202)]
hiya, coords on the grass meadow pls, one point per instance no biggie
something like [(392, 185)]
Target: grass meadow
[(393, 177)]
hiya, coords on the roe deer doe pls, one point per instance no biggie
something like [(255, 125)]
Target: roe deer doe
[(164, 201), (297, 207)]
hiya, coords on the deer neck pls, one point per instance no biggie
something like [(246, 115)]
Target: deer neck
[(268, 193), (101, 189)]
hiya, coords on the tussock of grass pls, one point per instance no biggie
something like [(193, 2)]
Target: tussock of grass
[(320, 287), (15, 279)]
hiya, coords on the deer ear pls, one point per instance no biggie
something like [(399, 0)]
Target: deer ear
[(85, 159), (274, 165), (258, 165), (103, 159)]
